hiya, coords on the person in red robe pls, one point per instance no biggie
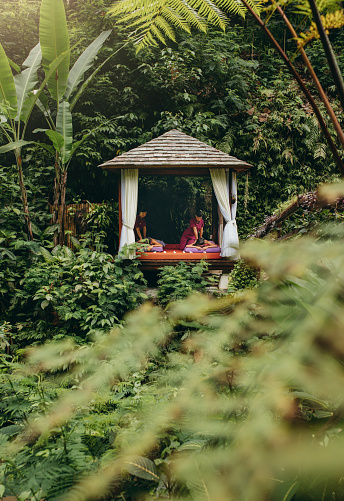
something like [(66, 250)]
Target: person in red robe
[(194, 231), (140, 229), (140, 226)]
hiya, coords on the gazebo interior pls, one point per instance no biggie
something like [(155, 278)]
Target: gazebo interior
[(177, 154)]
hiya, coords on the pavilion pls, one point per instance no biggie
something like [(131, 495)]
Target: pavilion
[(177, 154)]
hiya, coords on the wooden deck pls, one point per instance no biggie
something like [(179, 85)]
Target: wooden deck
[(214, 264), (172, 255)]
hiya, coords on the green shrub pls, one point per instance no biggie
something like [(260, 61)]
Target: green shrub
[(177, 282), (78, 293), (124, 418), (243, 276)]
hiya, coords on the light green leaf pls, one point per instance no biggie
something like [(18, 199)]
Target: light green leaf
[(14, 65), (141, 467), (88, 81), (56, 138), (46, 254), (34, 96), (14, 145), (84, 62), (24, 495), (43, 104), (47, 147), (192, 445), (8, 253), (35, 229), (54, 39), (291, 491), (51, 229), (26, 81), (64, 125), (8, 96), (44, 304)]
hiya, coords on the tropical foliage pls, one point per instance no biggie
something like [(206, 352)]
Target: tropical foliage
[(198, 397), (206, 400)]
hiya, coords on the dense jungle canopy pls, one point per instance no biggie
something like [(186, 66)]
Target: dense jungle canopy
[(229, 89)]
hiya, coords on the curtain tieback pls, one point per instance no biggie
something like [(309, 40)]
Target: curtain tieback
[(127, 226), (232, 221)]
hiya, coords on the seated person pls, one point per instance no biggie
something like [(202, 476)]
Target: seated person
[(140, 229), (201, 244), (194, 230)]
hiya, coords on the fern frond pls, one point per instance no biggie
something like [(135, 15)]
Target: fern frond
[(209, 11), (191, 16), (165, 28), (175, 19), (320, 151), (156, 20), (236, 6)]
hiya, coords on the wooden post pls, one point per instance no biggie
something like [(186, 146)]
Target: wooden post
[(119, 208)]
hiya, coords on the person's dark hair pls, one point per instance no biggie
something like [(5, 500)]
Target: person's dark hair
[(199, 213), (142, 209), (200, 241)]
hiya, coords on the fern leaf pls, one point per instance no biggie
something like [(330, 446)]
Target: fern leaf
[(320, 151), (156, 20)]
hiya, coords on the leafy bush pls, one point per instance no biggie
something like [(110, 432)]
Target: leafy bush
[(79, 292), (243, 276), (249, 408), (177, 282)]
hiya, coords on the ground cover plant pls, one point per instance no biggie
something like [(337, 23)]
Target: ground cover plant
[(231, 398), (73, 294), (177, 282)]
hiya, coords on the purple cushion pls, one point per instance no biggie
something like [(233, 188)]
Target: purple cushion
[(209, 250), (156, 249)]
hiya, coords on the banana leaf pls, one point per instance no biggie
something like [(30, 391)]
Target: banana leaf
[(84, 62), (26, 81), (8, 96), (54, 39)]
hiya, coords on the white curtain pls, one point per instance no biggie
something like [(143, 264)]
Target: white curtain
[(230, 239), (129, 191)]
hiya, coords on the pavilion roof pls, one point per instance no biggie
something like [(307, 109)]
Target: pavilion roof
[(175, 152)]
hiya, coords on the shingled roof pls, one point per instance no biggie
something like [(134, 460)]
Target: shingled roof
[(174, 151)]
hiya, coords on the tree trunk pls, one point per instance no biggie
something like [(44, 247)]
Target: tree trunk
[(318, 85), (23, 195), (302, 86), (56, 200), (63, 185), (331, 58)]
